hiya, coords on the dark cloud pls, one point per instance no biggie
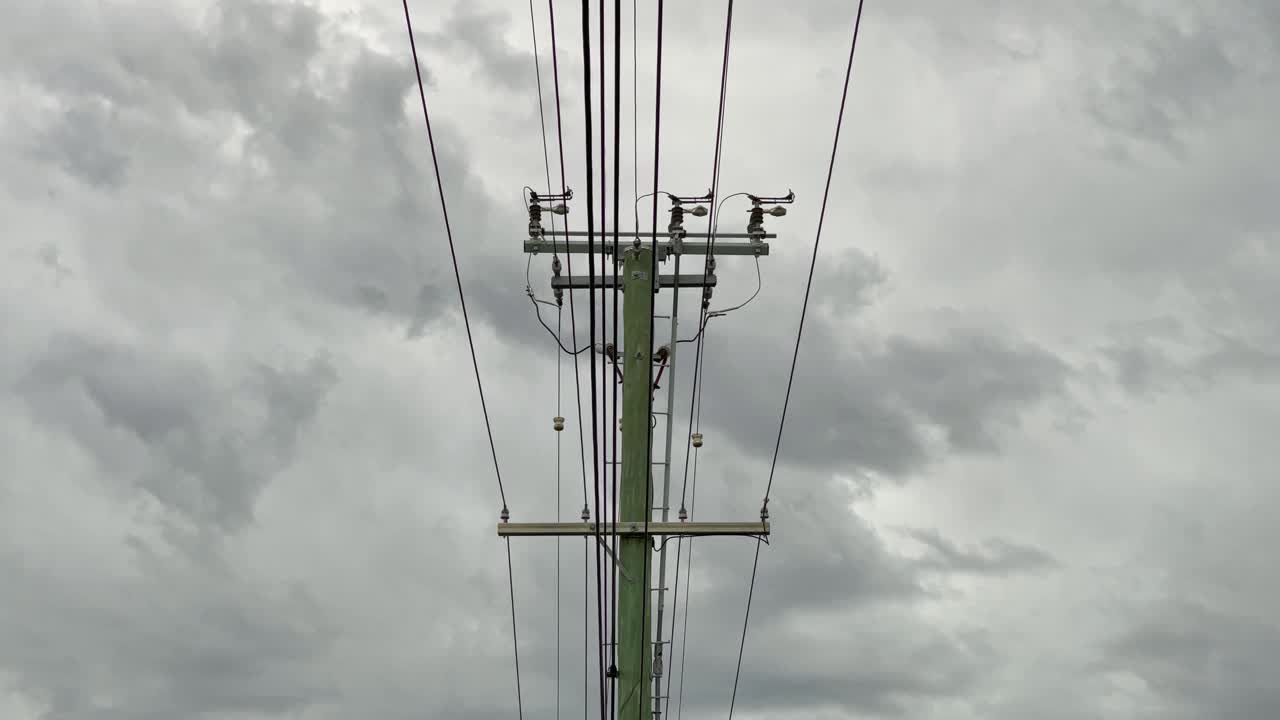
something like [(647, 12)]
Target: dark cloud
[(160, 421), (866, 406), (237, 491), (1201, 662), (166, 639), (992, 557), (480, 32)]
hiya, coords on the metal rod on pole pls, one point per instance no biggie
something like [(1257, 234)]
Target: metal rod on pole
[(666, 489)]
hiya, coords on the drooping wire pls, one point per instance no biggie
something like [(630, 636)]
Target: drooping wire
[(835, 143), (457, 274), (707, 315)]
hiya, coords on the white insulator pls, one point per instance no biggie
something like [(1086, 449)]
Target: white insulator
[(558, 423), (697, 439)]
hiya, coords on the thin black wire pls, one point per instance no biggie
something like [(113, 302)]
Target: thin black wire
[(546, 165), (808, 286), (515, 637), (591, 232), (457, 274), (653, 275), (835, 143), (617, 169), (453, 253), (559, 361), (573, 322), (635, 114), (577, 377), (695, 423), (715, 169)]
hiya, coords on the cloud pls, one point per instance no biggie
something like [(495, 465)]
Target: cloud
[(869, 406), (245, 475), (992, 557)]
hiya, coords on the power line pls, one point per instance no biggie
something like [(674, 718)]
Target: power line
[(617, 169), (546, 164), (577, 381), (573, 322), (835, 143), (591, 231), (453, 253), (695, 424), (457, 274), (715, 168)]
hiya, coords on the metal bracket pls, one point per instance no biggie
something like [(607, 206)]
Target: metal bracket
[(666, 246), (635, 529), (582, 282)]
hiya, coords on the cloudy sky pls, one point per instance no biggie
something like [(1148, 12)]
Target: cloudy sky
[(1028, 469)]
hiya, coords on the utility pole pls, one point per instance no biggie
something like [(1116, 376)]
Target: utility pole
[(639, 534)]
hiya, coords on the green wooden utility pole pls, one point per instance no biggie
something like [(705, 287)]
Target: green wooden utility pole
[(635, 495), (636, 530)]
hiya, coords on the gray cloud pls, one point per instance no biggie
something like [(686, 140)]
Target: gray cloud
[(992, 557), (864, 406), (154, 421), (1201, 662), (232, 488)]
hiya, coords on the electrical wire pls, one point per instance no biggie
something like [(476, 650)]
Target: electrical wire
[(577, 376), (695, 421), (617, 169), (457, 274), (835, 143), (573, 322), (595, 427), (715, 168), (635, 111), (546, 164), (453, 253)]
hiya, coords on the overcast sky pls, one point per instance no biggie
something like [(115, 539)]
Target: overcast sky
[(1029, 465)]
